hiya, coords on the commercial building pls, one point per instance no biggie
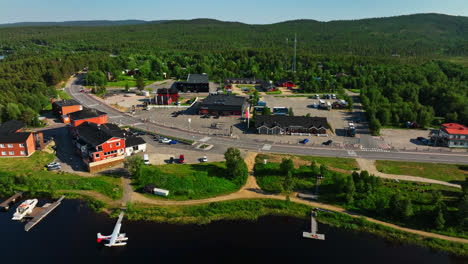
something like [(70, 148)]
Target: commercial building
[(166, 96), (87, 115), (453, 135), (14, 142), (222, 104), (64, 107), (134, 144), (290, 125), (196, 83)]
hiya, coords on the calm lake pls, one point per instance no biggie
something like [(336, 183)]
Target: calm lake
[(69, 234)]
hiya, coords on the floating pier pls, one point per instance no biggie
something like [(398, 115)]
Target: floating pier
[(313, 232), (39, 213), (6, 204)]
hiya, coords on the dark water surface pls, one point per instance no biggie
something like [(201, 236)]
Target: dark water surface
[(68, 235)]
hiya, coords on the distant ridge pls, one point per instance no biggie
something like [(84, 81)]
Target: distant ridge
[(83, 23)]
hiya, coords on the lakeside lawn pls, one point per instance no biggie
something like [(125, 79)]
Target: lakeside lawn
[(188, 181), (436, 171), (28, 174)]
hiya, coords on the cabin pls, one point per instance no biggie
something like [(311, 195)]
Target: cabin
[(454, 135), (290, 125)]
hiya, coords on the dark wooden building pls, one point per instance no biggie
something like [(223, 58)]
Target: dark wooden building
[(196, 83), (287, 125), (222, 104)]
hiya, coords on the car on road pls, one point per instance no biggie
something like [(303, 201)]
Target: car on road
[(305, 140), (173, 142), (165, 140), (328, 142), (204, 159), (55, 167), (205, 116)]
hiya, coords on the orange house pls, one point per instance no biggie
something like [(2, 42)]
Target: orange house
[(64, 107), (87, 115), (16, 143)]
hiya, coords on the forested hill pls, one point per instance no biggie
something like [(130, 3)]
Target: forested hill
[(411, 35), (87, 23)]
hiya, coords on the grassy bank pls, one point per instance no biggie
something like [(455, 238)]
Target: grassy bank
[(332, 162), (28, 174), (253, 209), (436, 171), (188, 181), (63, 95)]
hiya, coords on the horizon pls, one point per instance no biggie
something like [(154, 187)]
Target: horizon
[(243, 11), (228, 21)]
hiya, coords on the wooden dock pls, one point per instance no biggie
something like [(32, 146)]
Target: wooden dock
[(313, 229), (40, 212), (6, 204)]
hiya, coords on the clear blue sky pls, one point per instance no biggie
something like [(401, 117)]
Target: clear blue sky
[(247, 11)]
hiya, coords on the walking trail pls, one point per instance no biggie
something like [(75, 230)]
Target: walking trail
[(369, 165), (251, 190)]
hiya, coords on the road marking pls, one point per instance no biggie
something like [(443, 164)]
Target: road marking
[(116, 116), (266, 147), (374, 150), (93, 105), (137, 124), (205, 139), (352, 153)]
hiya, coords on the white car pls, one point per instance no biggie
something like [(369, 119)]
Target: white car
[(315, 105), (204, 159), (317, 96), (165, 141), (53, 164)]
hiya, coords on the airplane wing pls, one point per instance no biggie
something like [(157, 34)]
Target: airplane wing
[(116, 232)]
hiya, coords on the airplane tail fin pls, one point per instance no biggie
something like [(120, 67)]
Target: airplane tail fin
[(99, 237)]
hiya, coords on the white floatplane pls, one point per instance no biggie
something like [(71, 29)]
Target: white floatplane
[(117, 238), (24, 208)]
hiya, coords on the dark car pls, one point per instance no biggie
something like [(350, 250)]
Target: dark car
[(205, 116), (328, 142), (56, 167), (171, 160), (420, 138)]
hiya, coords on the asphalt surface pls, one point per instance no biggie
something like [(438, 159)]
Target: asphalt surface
[(74, 86)]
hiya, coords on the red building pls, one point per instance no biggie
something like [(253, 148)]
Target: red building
[(454, 135), (88, 115), (167, 96), (14, 142), (100, 146), (64, 107), (285, 83)]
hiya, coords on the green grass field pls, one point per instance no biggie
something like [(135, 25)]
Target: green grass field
[(28, 174), (332, 162), (436, 171), (63, 95), (131, 83), (188, 181)]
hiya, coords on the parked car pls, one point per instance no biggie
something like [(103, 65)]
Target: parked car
[(53, 164), (171, 160), (315, 105), (205, 116), (328, 142), (333, 96), (173, 142), (181, 159), (305, 140), (204, 159), (56, 167), (165, 141), (317, 96), (156, 138), (146, 159), (83, 91), (420, 138)]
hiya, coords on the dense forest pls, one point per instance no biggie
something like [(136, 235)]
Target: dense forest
[(396, 63)]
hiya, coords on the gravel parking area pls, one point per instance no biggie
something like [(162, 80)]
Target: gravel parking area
[(404, 138)]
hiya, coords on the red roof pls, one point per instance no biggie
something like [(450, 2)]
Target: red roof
[(457, 129)]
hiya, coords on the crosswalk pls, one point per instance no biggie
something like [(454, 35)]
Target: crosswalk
[(374, 150), (266, 147), (352, 153), (205, 139)]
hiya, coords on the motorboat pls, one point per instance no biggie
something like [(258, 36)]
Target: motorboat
[(24, 208)]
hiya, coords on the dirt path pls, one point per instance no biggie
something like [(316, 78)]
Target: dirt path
[(369, 165)]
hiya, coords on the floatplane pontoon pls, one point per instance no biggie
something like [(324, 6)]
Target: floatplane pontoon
[(117, 238)]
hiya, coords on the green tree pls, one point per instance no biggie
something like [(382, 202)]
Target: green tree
[(266, 111), (140, 83), (407, 210), (127, 87), (13, 111), (315, 169), (350, 189), (286, 166), (133, 164), (374, 126), (324, 171), (439, 220), (462, 214), (291, 112), (288, 183)]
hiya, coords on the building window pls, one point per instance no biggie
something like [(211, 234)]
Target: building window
[(23, 153), (10, 145), (2, 145), (97, 156), (3, 153), (21, 145), (117, 144), (110, 145), (11, 153)]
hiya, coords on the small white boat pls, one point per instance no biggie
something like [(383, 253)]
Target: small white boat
[(24, 208)]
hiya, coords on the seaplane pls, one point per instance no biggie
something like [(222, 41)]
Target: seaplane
[(117, 238)]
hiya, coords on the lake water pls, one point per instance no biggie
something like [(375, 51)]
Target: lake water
[(68, 235)]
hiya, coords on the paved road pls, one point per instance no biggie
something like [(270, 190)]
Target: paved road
[(74, 86)]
